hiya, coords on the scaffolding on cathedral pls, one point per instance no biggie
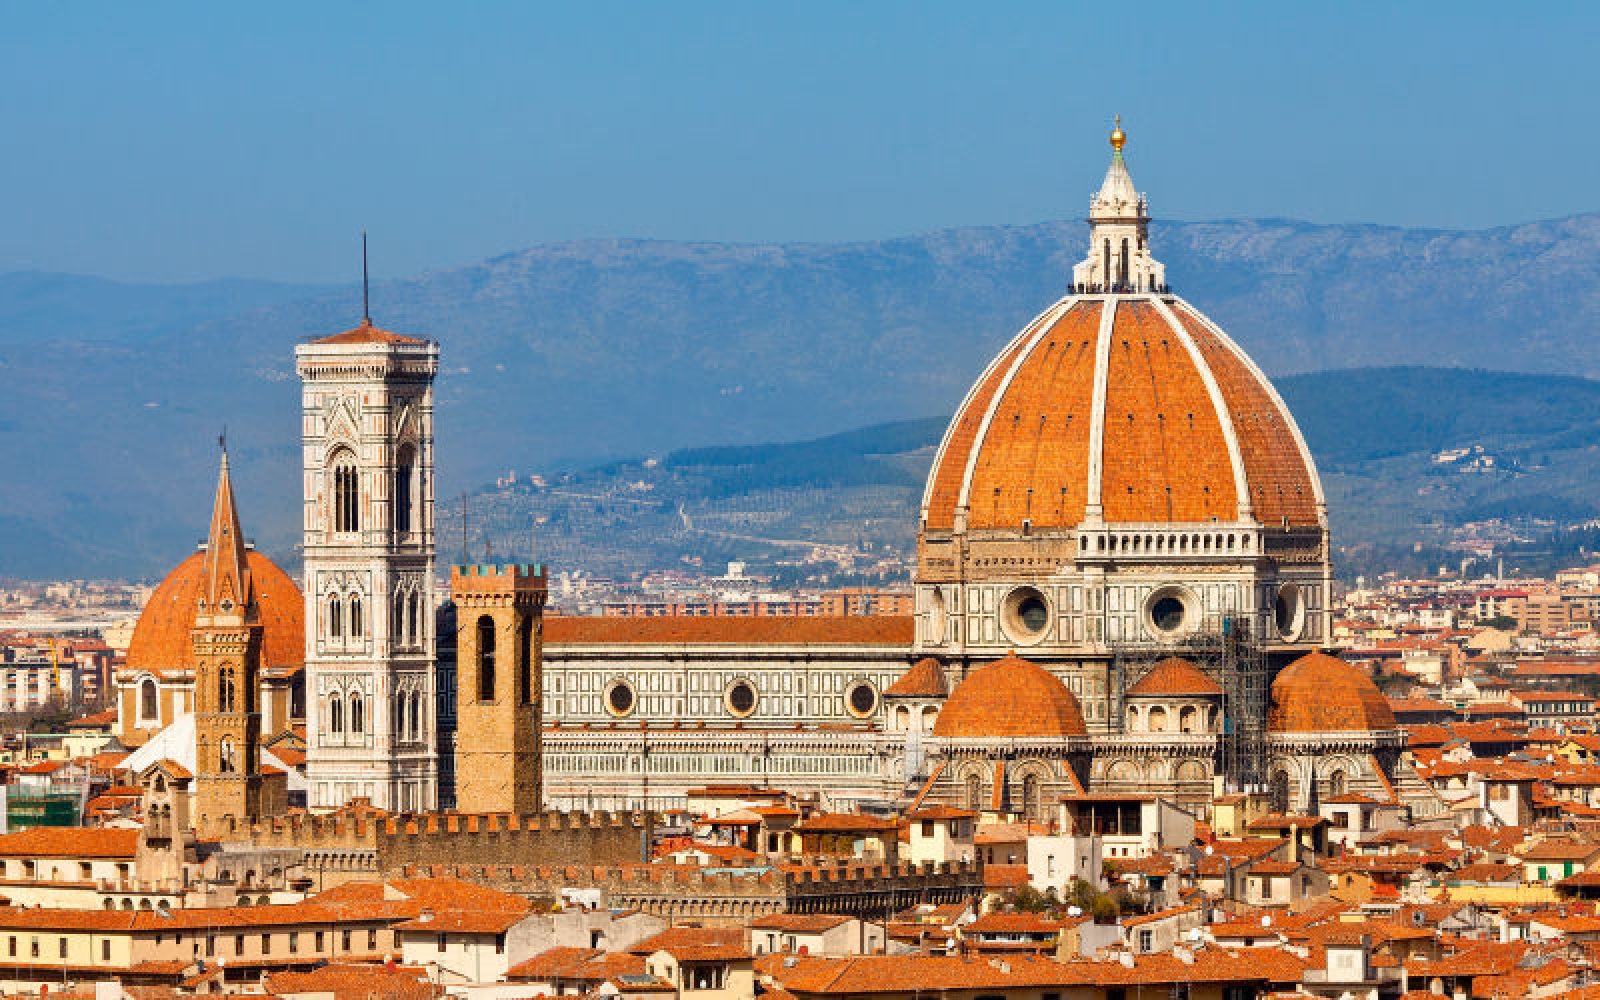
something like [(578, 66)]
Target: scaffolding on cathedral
[(1226, 650)]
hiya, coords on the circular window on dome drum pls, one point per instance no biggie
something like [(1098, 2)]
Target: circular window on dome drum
[(1169, 612), (1289, 612), (740, 698), (620, 699), (861, 700), (1026, 614)]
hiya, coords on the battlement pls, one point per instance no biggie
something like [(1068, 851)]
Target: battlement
[(398, 840), (494, 579)]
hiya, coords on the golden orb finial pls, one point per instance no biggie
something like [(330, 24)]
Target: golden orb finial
[(1118, 137)]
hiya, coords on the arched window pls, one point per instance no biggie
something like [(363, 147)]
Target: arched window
[(225, 690), (414, 617), (974, 792), (1157, 717), (525, 660), (357, 722), (355, 617), (485, 658), (1030, 797), (148, 708), (228, 765), (1336, 783), (397, 619), (335, 618), (416, 716), (346, 492), (397, 723), (1188, 719), (336, 715), (404, 485)]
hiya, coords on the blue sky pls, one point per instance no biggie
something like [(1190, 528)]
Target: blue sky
[(172, 142)]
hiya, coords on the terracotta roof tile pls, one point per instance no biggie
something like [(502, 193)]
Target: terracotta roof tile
[(1011, 697)]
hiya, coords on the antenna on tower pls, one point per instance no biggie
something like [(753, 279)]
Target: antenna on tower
[(222, 440), (464, 528), (366, 311)]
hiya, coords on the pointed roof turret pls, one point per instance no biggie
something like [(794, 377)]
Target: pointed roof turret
[(227, 568), (1119, 228)]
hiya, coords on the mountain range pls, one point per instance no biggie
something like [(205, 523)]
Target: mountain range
[(564, 357)]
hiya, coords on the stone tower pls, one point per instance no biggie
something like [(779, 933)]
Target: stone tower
[(499, 619), (227, 658), (367, 432)]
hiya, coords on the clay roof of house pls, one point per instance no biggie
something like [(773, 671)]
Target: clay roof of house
[(844, 822), (70, 842), (1011, 697), (868, 974), (925, 679), (697, 943), (852, 630), (163, 638), (1318, 693), (800, 923), (355, 982), (1019, 448), (1175, 675)]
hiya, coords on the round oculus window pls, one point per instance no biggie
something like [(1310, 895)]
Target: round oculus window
[(620, 699), (861, 699), (1026, 614), (741, 698), (1167, 612)]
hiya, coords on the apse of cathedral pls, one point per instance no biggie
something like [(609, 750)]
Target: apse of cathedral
[(1122, 585)]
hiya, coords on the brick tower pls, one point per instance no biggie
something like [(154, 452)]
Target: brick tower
[(227, 658), (499, 619)]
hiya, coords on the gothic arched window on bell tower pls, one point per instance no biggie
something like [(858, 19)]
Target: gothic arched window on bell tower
[(228, 763), (346, 492), (336, 715), (355, 617), (485, 658), (404, 490), (225, 690), (358, 722), (335, 617)]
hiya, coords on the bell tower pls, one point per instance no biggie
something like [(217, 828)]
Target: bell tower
[(499, 660), (367, 436), (227, 657)]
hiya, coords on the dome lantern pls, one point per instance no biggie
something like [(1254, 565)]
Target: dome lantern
[(1119, 229)]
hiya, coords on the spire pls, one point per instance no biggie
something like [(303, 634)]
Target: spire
[(227, 570), (1119, 223), (366, 310)]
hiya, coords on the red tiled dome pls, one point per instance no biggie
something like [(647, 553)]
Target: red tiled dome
[(1011, 697), (1321, 694), (1191, 430), (162, 642), (1175, 676), (925, 679)]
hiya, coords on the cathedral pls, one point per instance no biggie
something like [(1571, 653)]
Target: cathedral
[(1122, 586)]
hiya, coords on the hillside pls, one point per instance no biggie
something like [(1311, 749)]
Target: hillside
[(561, 356), (1376, 433)]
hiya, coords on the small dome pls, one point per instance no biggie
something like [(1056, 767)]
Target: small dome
[(925, 679), (1011, 697), (162, 641), (1175, 676), (1321, 694)]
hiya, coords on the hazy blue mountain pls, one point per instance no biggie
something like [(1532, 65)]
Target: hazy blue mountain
[(562, 356)]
